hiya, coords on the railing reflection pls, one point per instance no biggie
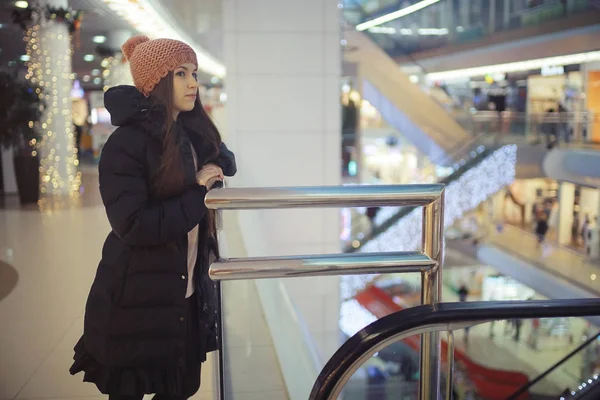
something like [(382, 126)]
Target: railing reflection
[(551, 127)]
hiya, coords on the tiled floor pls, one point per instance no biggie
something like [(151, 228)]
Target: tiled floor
[(55, 253)]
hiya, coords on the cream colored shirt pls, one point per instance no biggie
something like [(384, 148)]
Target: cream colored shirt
[(192, 254)]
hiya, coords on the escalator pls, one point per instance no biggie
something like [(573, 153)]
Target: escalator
[(402, 104), (481, 173), (489, 383), (369, 342)]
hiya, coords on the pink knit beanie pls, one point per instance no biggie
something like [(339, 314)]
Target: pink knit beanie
[(152, 60)]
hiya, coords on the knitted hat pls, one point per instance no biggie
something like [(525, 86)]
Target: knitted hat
[(152, 60)]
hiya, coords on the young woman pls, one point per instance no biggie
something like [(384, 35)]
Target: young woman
[(151, 313)]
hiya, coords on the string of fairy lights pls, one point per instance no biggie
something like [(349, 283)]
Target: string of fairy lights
[(116, 71), (50, 51)]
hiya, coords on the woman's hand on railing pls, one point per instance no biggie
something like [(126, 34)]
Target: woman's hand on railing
[(209, 175)]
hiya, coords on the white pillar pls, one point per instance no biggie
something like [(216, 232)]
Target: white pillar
[(117, 70), (465, 9), (447, 17), (506, 13), (566, 199), (283, 60), (49, 48), (492, 25)]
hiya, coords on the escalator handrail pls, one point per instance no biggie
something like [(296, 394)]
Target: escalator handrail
[(525, 388), (432, 318)]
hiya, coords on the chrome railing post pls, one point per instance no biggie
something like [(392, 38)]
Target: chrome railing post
[(428, 261), (219, 356), (450, 367), (431, 293)]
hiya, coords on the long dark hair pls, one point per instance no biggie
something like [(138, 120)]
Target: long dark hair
[(169, 178)]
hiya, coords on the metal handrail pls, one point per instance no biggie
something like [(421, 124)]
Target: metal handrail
[(433, 318), (324, 196), (320, 265), (550, 117), (428, 261)]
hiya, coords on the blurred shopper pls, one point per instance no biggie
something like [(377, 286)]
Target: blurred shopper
[(575, 232), (584, 229), (550, 129), (463, 293), (371, 213), (535, 333), (518, 324), (151, 315), (541, 227)]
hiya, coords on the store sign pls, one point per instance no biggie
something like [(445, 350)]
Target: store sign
[(553, 70)]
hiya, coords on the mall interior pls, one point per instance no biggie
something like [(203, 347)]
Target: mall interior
[(415, 213)]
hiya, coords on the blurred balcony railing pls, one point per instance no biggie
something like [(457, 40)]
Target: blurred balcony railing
[(457, 22), (564, 127)]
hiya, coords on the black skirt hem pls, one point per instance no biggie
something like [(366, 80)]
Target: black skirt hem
[(127, 381)]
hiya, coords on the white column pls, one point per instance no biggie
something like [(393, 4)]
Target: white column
[(492, 15), (506, 13), (465, 9), (117, 70), (283, 60), (49, 47), (566, 198), (447, 17)]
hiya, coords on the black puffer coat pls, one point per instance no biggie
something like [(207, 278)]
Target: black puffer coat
[(134, 317)]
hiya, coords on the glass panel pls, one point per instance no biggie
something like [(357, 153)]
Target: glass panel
[(491, 358), (457, 21), (492, 361), (577, 369)]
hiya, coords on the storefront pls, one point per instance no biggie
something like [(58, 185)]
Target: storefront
[(516, 204), (531, 91), (579, 227), (592, 99)]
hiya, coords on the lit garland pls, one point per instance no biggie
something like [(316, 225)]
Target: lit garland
[(116, 71), (462, 195), (49, 68), (38, 15)]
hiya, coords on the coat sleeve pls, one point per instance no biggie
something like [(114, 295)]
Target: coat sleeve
[(226, 160), (135, 219)]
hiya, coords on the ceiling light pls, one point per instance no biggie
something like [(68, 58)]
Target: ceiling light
[(1, 26), (580, 58), (99, 39), (25, 57), (388, 30), (395, 15), (433, 31), (104, 63), (95, 72), (147, 18), (89, 57), (97, 81), (21, 4), (86, 78)]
